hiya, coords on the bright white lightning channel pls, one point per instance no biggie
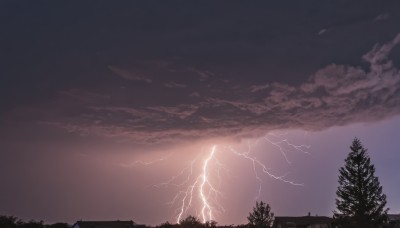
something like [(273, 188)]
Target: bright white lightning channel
[(206, 205)]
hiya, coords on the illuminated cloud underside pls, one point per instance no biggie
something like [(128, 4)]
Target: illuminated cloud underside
[(334, 95)]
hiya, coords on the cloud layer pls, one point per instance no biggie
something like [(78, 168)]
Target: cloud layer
[(203, 106)]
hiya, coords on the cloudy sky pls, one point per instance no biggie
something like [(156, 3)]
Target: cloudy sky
[(111, 110)]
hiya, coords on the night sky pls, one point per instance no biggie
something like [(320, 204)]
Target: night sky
[(110, 109)]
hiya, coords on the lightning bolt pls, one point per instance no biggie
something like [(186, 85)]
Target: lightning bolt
[(202, 185), (206, 204)]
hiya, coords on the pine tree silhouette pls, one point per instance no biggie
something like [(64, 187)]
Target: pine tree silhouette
[(360, 201)]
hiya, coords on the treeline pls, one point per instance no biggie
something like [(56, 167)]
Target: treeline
[(14, 222), (260, 217)]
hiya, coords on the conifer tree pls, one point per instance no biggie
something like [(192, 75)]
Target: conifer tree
[(360, 201), (261, 217)]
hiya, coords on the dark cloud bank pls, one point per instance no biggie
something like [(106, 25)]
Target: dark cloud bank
[(203, 106), (152, 72)]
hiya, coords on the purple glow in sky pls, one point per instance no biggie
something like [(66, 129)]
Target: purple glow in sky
[(110, 110)]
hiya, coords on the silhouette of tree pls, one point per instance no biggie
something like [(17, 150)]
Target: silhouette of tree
[(211, 224), (360, 201), (190, 221), (165, 225), (31, 224), (9, 221), (14, 222), (261, 216)]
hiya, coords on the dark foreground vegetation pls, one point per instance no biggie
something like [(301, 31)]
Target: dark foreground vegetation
[(360, 203), (14, 222)]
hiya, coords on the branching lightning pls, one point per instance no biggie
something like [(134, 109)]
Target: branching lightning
[(202, 184)]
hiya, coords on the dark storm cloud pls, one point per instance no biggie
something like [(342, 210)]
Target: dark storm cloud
[(334, 95), (155, 71)]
